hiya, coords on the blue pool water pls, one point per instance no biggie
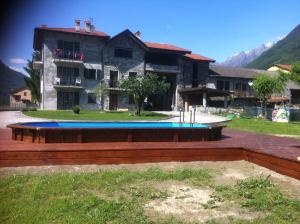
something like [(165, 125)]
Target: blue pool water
[(114, 125)]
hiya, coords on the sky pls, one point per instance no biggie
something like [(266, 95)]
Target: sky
[(216, 28)]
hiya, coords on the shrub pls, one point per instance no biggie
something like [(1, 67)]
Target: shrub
[(76, 110)]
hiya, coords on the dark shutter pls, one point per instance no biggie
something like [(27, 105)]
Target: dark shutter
[(60, 44), (76, 98), (86, 73), (59, 100)]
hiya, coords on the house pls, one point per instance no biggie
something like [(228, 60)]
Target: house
[(239, 81), (75, 60), (281, 67), (20, 97)]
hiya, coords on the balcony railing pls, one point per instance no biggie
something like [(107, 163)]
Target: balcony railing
[(68, 55), (244, 93), (162, 68), (67, 81)]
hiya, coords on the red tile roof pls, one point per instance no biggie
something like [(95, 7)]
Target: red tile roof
[(166, 47), (284, 66), (198, 57), (277, 99), (72, 30)]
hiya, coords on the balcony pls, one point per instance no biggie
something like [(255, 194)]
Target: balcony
[(162, 68), (64, 56), (244, 94), (68, 82)]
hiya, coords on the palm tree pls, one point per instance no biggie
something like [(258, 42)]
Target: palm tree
[(33, 80)]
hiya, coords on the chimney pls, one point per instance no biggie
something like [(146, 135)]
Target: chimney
[(138, 34), (88, 26), (77, 25)]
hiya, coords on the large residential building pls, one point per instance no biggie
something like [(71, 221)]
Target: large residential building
[(75, 60)]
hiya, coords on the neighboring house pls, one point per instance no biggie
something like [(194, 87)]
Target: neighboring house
[(239, 81), (280, 67), (20, 97), (75, 60)]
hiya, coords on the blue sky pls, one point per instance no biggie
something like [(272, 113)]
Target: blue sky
[(215, 29)]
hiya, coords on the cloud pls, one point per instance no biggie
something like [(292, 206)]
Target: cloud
[(17, 61), (17, 69), (169, 26)]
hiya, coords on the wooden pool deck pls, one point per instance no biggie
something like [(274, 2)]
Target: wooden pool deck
[(276, 153)]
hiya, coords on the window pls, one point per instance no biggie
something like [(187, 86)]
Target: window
[(132, 74), (67, 75), (241, 87), (113, 78), (92, 98), (223, 85), (123, 52), (220, 84), (90, 73), (25, 93), (68, 50), (195, 74)]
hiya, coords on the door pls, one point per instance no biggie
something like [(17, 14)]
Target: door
[(113, 102), (67, 100)]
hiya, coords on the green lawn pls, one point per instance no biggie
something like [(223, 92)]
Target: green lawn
[(94, 115), (119, 196), (264, 126)]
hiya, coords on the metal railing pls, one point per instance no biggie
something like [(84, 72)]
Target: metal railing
[(69, 55)]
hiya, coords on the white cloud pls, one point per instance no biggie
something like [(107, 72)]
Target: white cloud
[(18, 69), (17, 61), (169, 26)]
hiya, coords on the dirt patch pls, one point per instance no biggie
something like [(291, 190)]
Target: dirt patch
[(195, 204), (224, 172)]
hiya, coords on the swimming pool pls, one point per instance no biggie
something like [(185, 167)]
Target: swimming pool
[(83, 132), (114, 125)]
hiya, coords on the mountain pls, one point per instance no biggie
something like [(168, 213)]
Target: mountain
[(245, 57), (285, 51), (9, 80)]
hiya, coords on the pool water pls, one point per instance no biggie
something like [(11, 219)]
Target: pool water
[(114, 125)]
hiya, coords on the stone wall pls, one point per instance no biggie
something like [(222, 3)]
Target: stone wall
[(90, 46), (122, 65)]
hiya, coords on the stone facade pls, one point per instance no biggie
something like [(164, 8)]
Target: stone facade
[(99, 54)]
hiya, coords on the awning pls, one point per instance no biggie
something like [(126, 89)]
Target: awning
[(92, 66), (277, 99)]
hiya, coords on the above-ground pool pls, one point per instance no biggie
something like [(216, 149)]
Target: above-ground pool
[(81, 132)]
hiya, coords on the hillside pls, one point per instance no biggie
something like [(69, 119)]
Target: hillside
[(285, 51), (9, 80)]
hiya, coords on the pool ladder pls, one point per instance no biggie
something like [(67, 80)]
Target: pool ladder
[(192, 116)]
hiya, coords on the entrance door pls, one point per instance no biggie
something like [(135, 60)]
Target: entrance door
[(113, 102), (67, 100)]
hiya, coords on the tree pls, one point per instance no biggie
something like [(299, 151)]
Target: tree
[(264, 86), (295, 73), (33, 81), (142, 87), (101, 89)]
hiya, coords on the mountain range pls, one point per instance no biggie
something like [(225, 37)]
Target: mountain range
[(285, 51), (245, 57), (9, 80)]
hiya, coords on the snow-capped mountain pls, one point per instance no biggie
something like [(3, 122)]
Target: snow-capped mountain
[(245, 57)]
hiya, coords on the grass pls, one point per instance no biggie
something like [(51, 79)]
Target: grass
[(118, 196), (94, 115), (264, 126)]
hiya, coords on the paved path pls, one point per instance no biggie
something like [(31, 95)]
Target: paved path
[(199, 118), (10, 117)]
